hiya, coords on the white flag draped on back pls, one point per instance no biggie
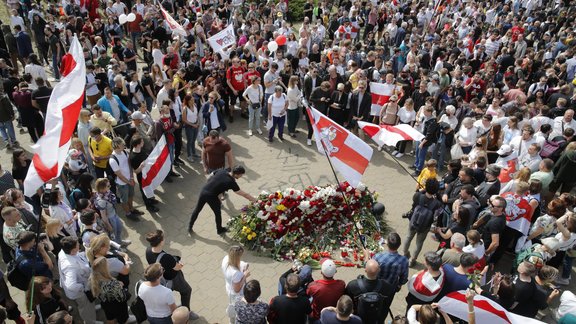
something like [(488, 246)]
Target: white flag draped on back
[(62, 114), (224, 39), (157, 167)]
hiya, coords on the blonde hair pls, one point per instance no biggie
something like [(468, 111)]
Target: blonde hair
[(53, 226), (234, 255), (99, 274), (101, 183), (96, 244), (523, 174)]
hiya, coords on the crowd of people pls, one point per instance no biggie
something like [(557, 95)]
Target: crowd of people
[(490, 85)]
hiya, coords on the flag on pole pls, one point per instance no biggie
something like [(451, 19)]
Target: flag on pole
[(390, 135), (485, 309), (64, 107), (348, 154), (381, 93), (157, 167), (173, 24)]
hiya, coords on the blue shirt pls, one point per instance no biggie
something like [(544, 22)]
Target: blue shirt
[(27, 264), (453, 281), (393, 267)]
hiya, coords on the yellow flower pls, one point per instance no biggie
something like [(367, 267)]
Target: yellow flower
[(281, 207)]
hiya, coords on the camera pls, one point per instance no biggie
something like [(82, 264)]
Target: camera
[(45, 201)]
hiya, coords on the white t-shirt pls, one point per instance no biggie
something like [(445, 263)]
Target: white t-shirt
[(157, 300), (277, 105), (119, 7), (406, 116), (254, 94), (231, 276), (269, 77), (564, 245), (123, 165)]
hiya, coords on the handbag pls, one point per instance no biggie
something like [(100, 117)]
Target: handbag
[(231, 309), (456, 151), (138, 308)]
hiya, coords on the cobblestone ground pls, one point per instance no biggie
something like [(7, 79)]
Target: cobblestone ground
[(270, 166)]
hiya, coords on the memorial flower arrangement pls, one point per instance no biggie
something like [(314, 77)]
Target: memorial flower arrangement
[(306, 224)]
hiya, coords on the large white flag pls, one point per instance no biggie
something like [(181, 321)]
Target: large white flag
[(62, 114), (348, 154), (485, 309), (157, 167), (223, 40), (381, 93)]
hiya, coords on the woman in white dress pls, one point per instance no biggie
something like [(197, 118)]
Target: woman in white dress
[(236, 274)]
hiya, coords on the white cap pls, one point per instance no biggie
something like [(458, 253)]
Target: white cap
[(504, 149), (328, 268), (137, 115)]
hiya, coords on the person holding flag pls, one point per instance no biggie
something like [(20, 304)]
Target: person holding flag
[(137, 158)]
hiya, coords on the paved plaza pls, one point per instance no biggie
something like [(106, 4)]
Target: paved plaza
[(270, 166)]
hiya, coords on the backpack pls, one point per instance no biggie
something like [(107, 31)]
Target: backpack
[(71, 198), (552, 149), (15, 276), (423, 214), (370, 303)]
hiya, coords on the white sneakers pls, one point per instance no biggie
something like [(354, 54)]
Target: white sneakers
[(249, 132), (309, 142), (259, 131)]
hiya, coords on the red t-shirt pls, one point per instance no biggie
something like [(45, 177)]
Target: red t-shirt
[(248, 76), (324, 293), (475, 89), (236, 77), (166, 127)]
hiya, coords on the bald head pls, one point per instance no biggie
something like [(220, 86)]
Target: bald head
[(372, 269), (180, 315)]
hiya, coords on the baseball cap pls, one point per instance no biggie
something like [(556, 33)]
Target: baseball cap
[(493, 170), (504, 149), (137, 115), (328, 268)]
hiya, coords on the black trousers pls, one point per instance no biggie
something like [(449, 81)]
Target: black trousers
[(177, 142), (215, 204), (36, 128)]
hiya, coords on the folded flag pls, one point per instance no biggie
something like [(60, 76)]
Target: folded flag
[(64, 107), (390, 135), (158, 165), (347, 153)]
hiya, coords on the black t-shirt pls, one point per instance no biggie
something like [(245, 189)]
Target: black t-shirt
[(119, 51), (42, 96), (529, 297), (168, 262), (219, 183), (147, 81), (495, 225), (54, 41), (136, 159), (288, 310), (128, 54)]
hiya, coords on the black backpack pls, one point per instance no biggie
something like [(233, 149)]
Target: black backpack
[(370, 303), (423, 214), (15, 276)]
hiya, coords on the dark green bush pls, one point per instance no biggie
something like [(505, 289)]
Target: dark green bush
[(296, 10)]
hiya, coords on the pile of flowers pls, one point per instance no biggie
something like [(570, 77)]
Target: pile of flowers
[(311, 223)]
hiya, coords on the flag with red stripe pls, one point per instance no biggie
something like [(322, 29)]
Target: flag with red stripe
[(158, 165), (390, 135), (64, 107), (381, 93), (485, 309), (348, 154), (518, 212), (173, 24)]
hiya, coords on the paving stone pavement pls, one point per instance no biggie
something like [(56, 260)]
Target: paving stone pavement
[(270, 166)]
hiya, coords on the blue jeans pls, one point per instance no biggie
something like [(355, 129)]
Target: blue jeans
[(117, 227), (277, 121), (253, 117), (191, 135), (156, 320), (7, 132), (171, 151), (149, 102), (420, 154), (55, 68), (567, 266), (439, 153), (265, 107)]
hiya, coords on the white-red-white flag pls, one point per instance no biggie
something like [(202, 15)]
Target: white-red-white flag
[(485, 310), (390, 135), (518, 212), (158, 165), (381, 93), (348, 154), (64, 107), (173, 24)]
